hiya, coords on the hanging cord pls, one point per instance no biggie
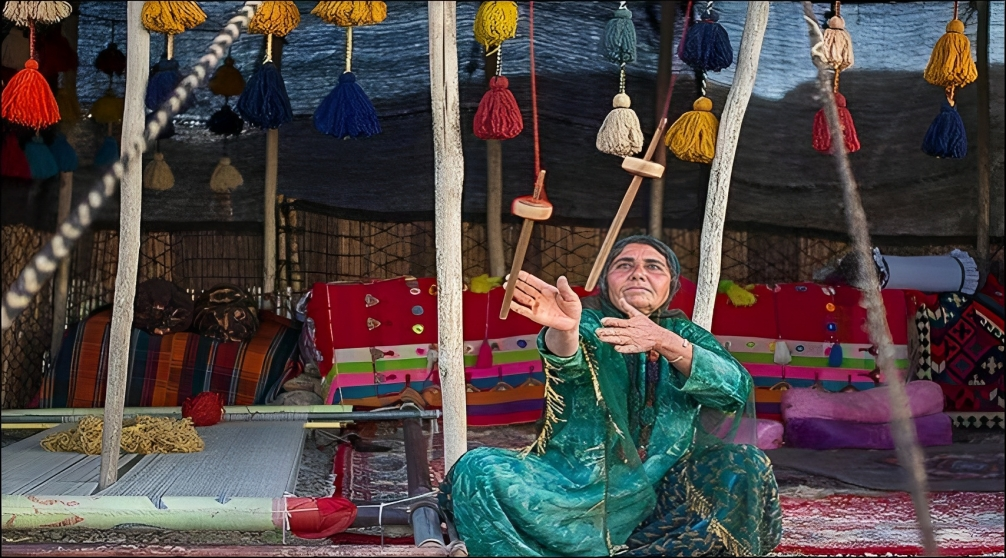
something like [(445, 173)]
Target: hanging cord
[(906, 442), (268, 49), (836, 8), (951, 90), (534, 94), (349, 50), (681, 48), (31, 40)]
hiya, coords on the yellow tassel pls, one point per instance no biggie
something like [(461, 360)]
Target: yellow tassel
[(838, 45), (692, 137), (108, 109), (951, 64), (225, 177), (483, 283), (69, 108), (351, 14), (158, 175), (495, 22), (739, 296), (275, 18), (171, 18), (227, 80)]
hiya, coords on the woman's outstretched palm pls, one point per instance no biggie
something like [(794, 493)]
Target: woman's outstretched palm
[(555, 307)]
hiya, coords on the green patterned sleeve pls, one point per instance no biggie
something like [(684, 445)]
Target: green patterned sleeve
[(574, 366), (717, 380)]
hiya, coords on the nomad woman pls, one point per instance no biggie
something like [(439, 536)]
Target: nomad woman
[(624, 463)]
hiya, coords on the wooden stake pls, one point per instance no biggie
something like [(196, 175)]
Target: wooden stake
[(521, 250), (449, 180), (984, 136), (723, 162), (623, 210), (269, 206), (131, 188), (494, 208), (668, 12)]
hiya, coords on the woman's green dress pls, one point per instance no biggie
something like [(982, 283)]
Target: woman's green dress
[(623, 463)]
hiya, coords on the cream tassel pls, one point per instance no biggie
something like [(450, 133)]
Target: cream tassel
[(838, 45), (620, 133), (225, 177), (158, 175)]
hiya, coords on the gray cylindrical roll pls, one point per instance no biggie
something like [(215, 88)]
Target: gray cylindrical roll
[(954, 272)]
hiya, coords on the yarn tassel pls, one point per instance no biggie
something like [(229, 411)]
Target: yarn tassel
[(620, 37), (838, 45), (40, 159), (275, 18), (69, 108), (347, 111), (107, 154), (157, 175), (13, 160), (692, 137), (620, 133), (227, 80), (64, 154), (822, 135), (707, 45), (111, 60), (163, 80), (782, 356), (45, 12), (351, 14), (836, 356), (171, 18), (27, 99), (498, 116), (951, 64), (225, 122), (495, 22), (264, 101), (946, 137), (225, 178), (108, 109), (738, 295)]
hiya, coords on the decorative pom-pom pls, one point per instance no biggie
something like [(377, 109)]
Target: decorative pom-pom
[(157, 175), (64, 154), (14, 162), (707, 45), (838, 45), (498, 116), (951, 63), (225, 177), (693, 136), (946, 137), (620, 37), (836, 356), (781, 355), (822, 134), (351, 14), (40, 159), (738, 295), (166, 132), (27, 99), (108, 109), (225, 122), (227, 80), (495, 22), (264, 101), (347, 111), (111, 60), (107, 154), (275, 18), (205, 409), (163, 80), (171, 18), (69, 107), (620, 133), (22, 13)]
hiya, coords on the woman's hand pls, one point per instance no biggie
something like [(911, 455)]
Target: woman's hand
[(637, 334), (555, 307)]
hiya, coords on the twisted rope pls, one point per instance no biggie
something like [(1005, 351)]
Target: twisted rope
[(906, 441), (42, 267)]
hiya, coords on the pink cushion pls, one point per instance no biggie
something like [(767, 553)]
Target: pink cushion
[(769, 434), (869, 406)]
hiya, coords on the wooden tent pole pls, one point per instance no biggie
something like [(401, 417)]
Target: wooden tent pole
[(495, 254), (668, 13), (269, 205), (131, 188), (984, 136), (449, 180), (723, 162), (61, 286)]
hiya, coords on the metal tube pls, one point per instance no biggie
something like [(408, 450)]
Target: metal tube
[(425, 521), (352, 416), (212, 550)]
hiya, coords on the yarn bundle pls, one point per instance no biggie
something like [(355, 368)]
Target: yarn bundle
[(264, 101), (951, 67), (27, 99), (498, 116), (227, 82), (837, 46), (620, 133)]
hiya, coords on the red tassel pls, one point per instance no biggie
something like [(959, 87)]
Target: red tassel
[(13, 159), (822, 136), (28, 100), (205, 409), (498, 116), (55, 54)]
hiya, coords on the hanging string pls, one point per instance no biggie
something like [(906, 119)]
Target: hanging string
[(674, 76), (955, 9), (268, 49), (31, 40), (534, 94), (349, 49)]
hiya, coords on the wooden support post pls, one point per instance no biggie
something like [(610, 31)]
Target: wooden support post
[(131, 188), (269, 205), (723, 162), (668, 13), (494, 208), (449, 179), (984, 137)]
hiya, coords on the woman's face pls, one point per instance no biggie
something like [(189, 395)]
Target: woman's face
[(641, 276)]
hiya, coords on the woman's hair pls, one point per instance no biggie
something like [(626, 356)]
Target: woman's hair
[(665, 250)]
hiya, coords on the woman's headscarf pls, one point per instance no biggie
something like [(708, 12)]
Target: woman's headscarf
[(672, 264)]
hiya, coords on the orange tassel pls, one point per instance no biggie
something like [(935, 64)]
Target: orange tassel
[(28, 100)]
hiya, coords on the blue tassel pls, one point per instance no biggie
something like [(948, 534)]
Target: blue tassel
[(40, 159), (946, 137), (835, 357), (225, 122), (163, 80), (264, 101), (63, 153), (108, 153), (707, 46), (620, 37), (347, 112)]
